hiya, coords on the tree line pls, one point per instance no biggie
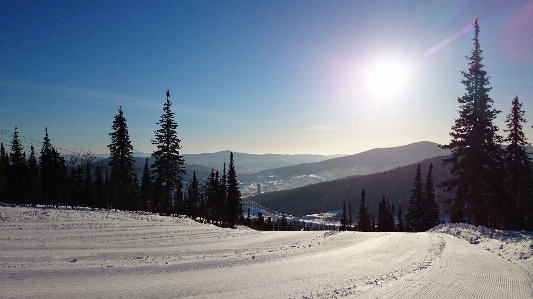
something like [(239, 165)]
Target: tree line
[(55, 180)]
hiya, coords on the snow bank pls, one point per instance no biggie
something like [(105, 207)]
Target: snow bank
[(511, 245)]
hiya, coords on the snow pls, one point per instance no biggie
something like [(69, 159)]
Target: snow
[(63, 253)]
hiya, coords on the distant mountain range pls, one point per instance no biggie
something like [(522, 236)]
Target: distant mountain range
[(328, 196)]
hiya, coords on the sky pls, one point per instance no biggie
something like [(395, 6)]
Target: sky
[(286, 77)]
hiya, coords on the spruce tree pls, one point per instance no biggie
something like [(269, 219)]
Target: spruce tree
[(431, 209), (364, 223), (192, 199), (350, 216), (414, 216), (146, 188), (33, 178), (344, 217), (122, 169), (234, 199), (52, 167), (17, 171), (475, 151), (168, 165), (99, 188), (519, 203), (4, 168)]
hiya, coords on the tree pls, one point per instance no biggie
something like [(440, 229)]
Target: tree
[(364, 223), (344, 218), (88, 194), (475, 151), (168, 165), (519, 203), (17, 171), (430, 208), (33, 178), (4, 171), (192, 199), (146, 188), (122, 169), (350, 218), (401, 227), (414, 216), (53, 173), (99, 188), (234, 199)]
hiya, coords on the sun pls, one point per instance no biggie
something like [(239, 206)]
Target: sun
[(386, 79)]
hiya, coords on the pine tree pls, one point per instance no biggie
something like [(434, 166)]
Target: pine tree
[(4, 169), (99, 189), (33, 178), (401, 227), (234, 199), (168, 165), (17, 171), (430, 208), (519, 203), (414, 216), (475, 151), (344, 217), (52, 167), (364, 224), (122, 169), (350, 218), (193, 198), (146, 188)]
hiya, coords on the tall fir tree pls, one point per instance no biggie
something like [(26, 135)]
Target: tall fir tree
[(364, 223), (344, 217), (4, 168), (52, 167), (414, 216), (519, 202), (350, 216), (146, 188), (122, 164), (168, 166), (193, 198), (475, 151), (431, 213), (17, 174), (33, 178), (234, 199)]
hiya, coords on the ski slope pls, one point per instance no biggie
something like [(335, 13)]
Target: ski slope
[(62, 253)]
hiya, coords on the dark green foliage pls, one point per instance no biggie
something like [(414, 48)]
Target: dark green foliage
[(53, 173), (476, 153), (99, 189), (4, 172), (518, 206), (414, 216), (344, 218), (122, 170), (401, 226), (364, 223), (33, 178), (168, 166), (431, 209), (385, 217), (234, 199), (192, 200), (146, 189)]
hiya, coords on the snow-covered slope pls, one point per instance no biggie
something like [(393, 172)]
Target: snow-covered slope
[(60, 253)]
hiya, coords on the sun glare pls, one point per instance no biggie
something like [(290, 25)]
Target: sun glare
[(387, 78)]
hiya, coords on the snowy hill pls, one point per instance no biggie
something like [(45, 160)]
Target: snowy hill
[(63, 253)]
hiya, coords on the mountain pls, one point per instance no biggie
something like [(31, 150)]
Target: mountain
[(371, 161), (327, 196), (251, 163)]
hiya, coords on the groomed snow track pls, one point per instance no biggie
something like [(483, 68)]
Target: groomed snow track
[(60, 253)]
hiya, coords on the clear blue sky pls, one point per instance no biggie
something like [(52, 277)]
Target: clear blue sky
[(253, 76)]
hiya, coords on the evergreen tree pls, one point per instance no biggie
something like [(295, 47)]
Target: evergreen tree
[(401, 227), (75, 194), (344, 217), (17, 171), (234, 199), (364, 223), (4, 169), (52, 167), (146, 188), (168, 165), (350, 218), (414, 216), (33, 178), (89, 194), (519, 204), (431, 209), (122, 169), (193, 198), (475, 151), (99, 189)]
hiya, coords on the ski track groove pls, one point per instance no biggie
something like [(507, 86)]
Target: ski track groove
[(64, 253)]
